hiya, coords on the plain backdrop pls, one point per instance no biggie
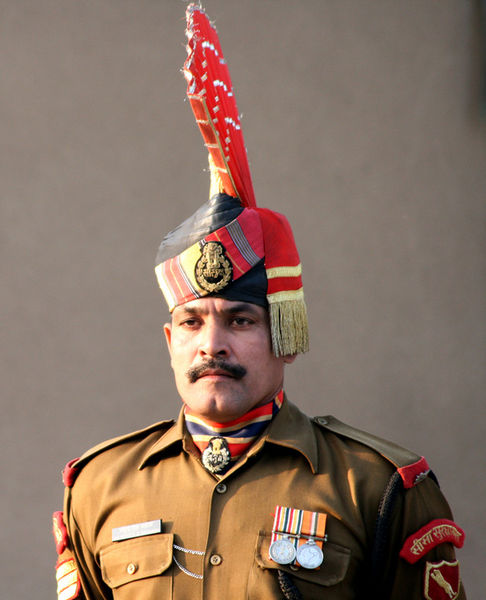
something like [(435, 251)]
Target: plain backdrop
[(363, 125)]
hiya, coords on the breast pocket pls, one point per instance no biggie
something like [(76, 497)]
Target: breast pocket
[(139, 568), (263, 582)]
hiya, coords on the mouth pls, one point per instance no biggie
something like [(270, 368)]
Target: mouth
[(215, 373)]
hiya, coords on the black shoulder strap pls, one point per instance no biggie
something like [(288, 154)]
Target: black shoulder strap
[(382, 533)]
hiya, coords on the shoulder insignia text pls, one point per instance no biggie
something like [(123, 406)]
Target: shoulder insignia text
[(428, 537)]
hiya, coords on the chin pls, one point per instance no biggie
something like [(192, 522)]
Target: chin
[(221, 409)]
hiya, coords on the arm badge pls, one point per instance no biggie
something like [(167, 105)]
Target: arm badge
[(442, 581)]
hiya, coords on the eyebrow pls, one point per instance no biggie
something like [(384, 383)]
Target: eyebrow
[(231, 310)]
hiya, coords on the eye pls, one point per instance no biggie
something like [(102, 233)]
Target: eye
[(241, 321), (189, 323)]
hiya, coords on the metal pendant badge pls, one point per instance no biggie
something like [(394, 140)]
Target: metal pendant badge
[(217, 456)]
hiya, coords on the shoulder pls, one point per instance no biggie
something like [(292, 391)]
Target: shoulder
[(410, 467), (126, 447)]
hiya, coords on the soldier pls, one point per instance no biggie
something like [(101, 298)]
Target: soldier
[(244, 496)]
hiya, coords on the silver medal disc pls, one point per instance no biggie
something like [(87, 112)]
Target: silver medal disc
[(309, 555), (282, 551)]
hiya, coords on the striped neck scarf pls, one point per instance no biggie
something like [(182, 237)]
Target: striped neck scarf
[(236, 436)]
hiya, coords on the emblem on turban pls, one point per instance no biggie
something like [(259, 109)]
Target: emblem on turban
[(213, 270)]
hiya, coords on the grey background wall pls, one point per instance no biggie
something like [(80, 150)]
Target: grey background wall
[(362, 121)]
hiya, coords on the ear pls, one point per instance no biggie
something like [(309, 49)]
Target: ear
[(289, 358), (168, 335)]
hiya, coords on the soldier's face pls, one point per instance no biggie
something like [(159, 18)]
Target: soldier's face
[(222, 358)]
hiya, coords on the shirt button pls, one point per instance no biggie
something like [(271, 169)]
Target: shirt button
[(215, 560), (132, 568), (221, 488)]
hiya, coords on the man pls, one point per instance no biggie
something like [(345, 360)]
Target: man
[(245, 497)]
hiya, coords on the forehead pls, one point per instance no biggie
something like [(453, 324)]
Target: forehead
[(212, 305)]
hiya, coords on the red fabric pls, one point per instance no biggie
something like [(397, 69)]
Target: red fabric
[(209, 85), (414, 473), (428, 537), (70, 473), (251, 227), (278, 284), (280, 250), (59, 531)]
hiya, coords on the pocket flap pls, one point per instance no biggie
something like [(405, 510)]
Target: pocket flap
[(127, 561), (331, 572)]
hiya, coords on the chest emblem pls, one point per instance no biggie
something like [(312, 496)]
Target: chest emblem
[(213, 270)]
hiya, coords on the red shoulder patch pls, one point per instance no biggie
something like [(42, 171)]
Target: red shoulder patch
[(68, 582), (431, 535), (442, 581), (70, 473), (414, 473), (60, 532)]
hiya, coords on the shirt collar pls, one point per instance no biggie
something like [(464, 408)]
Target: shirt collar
[(172, 437), (290, 428)]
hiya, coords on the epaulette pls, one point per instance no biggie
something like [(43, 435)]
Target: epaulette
[(73, 467), (411, 467)]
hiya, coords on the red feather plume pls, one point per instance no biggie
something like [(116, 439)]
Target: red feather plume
[(210, 93)]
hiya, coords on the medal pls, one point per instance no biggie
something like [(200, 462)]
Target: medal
[(282, 551), (309, 555)]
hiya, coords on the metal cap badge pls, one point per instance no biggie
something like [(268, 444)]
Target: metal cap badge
[(213, 270)]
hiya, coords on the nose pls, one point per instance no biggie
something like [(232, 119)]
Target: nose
[(213, 341)]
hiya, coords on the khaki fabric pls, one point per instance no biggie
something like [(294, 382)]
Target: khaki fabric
[(225, 524)]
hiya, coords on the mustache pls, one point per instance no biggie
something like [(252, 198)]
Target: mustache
[(215, 364)]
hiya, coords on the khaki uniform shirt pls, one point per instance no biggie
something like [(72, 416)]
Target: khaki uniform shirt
[(216, 531)]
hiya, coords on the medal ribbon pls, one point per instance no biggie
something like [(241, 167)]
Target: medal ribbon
[(298, 526)]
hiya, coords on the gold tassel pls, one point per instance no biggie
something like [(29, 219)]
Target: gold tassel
[(289, 327)]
